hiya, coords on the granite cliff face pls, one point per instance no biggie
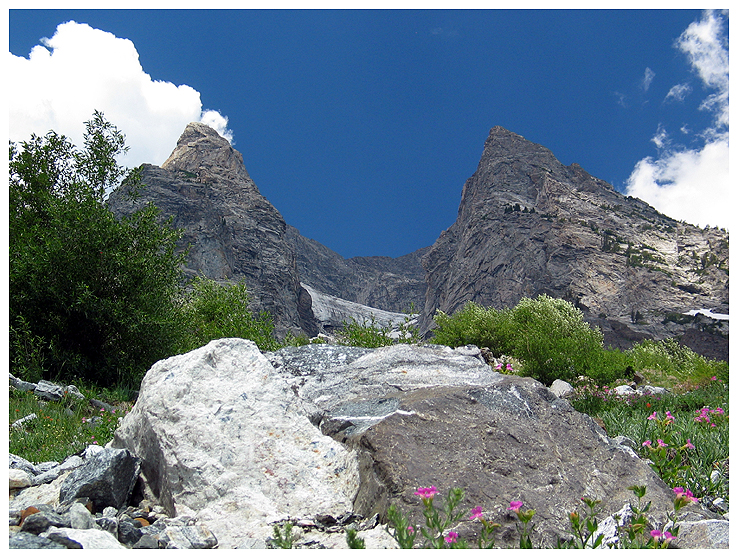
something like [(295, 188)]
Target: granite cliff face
[(233, 231), (528, 225)]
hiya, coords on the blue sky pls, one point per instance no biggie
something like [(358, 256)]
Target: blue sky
[(361, 126)]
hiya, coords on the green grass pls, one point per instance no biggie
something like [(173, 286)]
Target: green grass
[(629, 417), (61, 428)]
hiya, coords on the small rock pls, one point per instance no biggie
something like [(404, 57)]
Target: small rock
[(18, 423), (84, 538), (560, 388), (109, 524), (39, 522), (146, 541), (128, 533), (31, 541), (19, 478), (47, 390), (80, 517)]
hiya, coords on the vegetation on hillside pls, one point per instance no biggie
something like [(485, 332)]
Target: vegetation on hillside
[(95, 298)]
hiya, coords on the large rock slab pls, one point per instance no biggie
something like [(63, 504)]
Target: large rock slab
[(513, 440), (386, 370), (224, 439), (430, 415)]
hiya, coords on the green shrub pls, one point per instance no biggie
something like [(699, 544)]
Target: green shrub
[(370, 334), (215, 311), (612, 364), (671, 358), (553, 340), (548, 335), (475, 325)]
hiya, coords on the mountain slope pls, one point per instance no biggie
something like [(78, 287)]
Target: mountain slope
[(390, 284), (232, 230), (529, 225)]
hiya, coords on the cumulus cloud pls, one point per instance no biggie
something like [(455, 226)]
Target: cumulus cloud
[(693, 184), (217, 122), (81, 69)]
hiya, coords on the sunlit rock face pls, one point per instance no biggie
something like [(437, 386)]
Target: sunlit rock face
[(529, 225)]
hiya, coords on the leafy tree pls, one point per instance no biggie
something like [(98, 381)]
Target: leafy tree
[(91, 296), (214, 311)]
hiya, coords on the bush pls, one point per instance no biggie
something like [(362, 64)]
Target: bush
[(678, 361), (548, 335), (370, 334), (91, 296), (214, 311), (553, 340), (475, 325)]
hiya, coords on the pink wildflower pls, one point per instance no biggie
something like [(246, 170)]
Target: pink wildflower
[(655, 533), (689, 444), (647, 444), (515, 505), (684, 494), (427, 493), (410, 529), (452, 537), (661, 443), (653, 416), (476, 513)]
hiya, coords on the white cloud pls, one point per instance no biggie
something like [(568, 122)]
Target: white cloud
[(81, 69), (693, 184), (678, 92), (648, 76), (661, 139), (217, 122)]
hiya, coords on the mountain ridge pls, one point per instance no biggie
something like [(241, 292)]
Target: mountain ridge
[(526, 225)]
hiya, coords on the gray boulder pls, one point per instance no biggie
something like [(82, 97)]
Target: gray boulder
[(107, 479), (237, 441)]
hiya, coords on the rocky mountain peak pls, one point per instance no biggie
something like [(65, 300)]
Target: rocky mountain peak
[(205, 153), (529, 225), (233, 232)]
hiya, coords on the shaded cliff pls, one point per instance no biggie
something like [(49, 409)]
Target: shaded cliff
[(232, 230), (391, 284)]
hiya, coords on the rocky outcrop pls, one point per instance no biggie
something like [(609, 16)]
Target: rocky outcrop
[(528, 225), (231, 442), (390, 284), (233, 232), (241, 441), (218, 431)]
